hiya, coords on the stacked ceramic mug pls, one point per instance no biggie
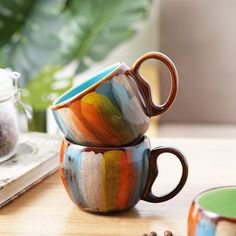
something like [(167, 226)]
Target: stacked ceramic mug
[(106, 161)]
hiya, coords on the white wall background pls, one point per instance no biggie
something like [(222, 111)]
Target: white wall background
[(200, 36)]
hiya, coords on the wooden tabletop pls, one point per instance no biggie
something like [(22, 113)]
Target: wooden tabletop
[(47, 210)]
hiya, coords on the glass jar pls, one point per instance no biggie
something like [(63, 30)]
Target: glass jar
[(9, 117)]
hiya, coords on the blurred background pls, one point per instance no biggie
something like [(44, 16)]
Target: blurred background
[(200, 37), (53, 44)]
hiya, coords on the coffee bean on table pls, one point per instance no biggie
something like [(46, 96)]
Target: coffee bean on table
[(168, 233), (152, 233)]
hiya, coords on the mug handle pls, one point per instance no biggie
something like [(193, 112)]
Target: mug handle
[(153, 172), (152, 109)]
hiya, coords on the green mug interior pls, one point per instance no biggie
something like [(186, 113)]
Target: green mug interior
[(221, 201), (83, 85)]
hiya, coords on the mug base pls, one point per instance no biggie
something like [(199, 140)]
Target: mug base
[(109, 212)]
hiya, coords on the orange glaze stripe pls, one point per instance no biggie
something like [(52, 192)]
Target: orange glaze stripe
[(76, 115)]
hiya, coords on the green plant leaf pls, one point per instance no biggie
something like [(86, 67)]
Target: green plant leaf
[(43, 89), (35, 41), (95, 27), (13, 15)]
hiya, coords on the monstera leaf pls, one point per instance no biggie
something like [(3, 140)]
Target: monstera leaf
[(34, 42), (97, 26), (41, 34)]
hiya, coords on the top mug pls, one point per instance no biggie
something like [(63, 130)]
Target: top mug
[(112, 107)]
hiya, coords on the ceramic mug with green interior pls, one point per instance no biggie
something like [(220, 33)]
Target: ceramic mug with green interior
[(112, 107), (213, 213)]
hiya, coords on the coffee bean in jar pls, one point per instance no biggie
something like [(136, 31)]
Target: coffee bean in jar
[(9, 127), (9, 135)]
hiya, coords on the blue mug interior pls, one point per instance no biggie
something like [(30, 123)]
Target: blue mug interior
[(86, 84)]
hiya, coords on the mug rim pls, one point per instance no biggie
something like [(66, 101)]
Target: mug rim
[(210, 213), (139, 142), (66, 102)]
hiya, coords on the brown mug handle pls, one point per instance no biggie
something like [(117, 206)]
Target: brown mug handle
[(152, 109), (153, 172)]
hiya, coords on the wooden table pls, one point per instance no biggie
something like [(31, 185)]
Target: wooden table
[(47, 210)]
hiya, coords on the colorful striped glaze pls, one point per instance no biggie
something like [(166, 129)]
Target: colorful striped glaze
[(111, 113), (104, 179), (202, 222)]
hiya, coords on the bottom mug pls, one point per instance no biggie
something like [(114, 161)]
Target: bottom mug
[(113, 179)]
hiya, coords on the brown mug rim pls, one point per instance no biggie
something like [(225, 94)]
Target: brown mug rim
[(67, 102), (209, 213), (142, 140)]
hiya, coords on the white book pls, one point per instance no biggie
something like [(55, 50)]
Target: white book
[(36, 158)]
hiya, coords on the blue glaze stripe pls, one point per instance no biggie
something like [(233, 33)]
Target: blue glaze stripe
[(72, 158), (205, 228), (137, 169), (62, 125)]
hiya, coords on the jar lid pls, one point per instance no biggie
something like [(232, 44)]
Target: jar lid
[(8, 86)]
